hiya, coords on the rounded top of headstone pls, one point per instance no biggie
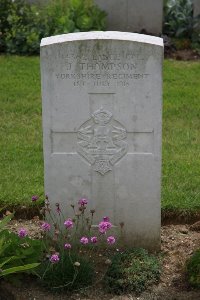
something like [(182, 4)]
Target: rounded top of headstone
[(100, 35)]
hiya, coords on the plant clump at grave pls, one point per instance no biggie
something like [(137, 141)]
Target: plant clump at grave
[(74, 271), (181, 25), (193, 269), (72, 246), (18, 252), (132, 271)]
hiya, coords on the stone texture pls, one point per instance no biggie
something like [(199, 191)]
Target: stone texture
[(196, 4), (102, 96), (133, 15)]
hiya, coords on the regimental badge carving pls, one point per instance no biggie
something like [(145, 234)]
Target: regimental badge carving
[(102, 141)]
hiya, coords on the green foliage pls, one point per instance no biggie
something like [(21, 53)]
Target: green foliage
[(132, 271), (17, 269), (22, 25), (17, 255), (24, 250), (23, 28), (179, 21), (5, 221), (5, 6), (58, 18), (193, 269), (87, 16), (64, 275)]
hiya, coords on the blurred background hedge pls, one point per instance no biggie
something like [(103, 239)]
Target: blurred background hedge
[(23, 25)]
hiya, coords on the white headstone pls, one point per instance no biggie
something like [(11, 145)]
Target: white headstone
[(102, 94), (133, 15)]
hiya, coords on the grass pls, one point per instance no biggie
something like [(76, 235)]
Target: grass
[(181, 136), (21, 159)]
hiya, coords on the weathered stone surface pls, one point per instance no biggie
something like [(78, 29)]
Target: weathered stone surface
[(196, 4), (102, 96), (133, 15)]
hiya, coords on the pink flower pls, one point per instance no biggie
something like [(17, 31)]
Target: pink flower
[(111, 240), (46, 226), (54, 258), (106, 219), (68, 223), (34, 198), (67, 246), (84, 240), (104, 226), (94, 239), (22, 232), (83, 202)]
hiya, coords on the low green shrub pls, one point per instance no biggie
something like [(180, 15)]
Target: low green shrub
[(58, 17), (132, 271), (5, 8), (193, 269), (22, 25), (180, 23)]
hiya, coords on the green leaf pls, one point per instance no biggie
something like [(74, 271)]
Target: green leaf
[(84, 22), (8, 260), (5, 221), (19, 269)]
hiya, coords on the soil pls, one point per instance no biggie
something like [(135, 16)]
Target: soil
[(169, 216), (185, 55), (178, 242)]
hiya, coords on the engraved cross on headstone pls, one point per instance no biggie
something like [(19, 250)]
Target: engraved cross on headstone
[(102, 140)]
